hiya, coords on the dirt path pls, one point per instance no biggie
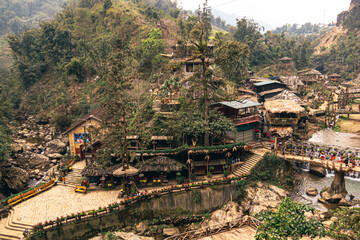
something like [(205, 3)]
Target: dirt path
[(352, 125)]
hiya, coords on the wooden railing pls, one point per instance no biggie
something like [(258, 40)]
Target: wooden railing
[(35, 191), (283, 121), (250, 119), (219, 228), (325, 163), (344, 111)]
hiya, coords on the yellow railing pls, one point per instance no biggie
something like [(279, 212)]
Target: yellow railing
[(31, 193)]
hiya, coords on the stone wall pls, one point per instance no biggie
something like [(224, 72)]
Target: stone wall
[(166, 206)]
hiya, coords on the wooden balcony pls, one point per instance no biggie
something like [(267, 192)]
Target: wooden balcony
[(283, 121), (246, 120)]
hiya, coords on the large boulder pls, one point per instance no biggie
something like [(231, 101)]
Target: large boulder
[(317, 170), (38, 161), (16, 148), (142, 227), (328, 196), (55, 146), (312, 191), (55, 156), (48, 138), (344, 202), (15, 178), (278, 191), (228, 212), (168, 232), (257, 209), (266, 197)]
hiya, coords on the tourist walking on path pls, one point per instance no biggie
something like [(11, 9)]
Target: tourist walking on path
[(63, 179)]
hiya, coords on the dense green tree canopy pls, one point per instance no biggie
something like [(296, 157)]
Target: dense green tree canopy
[(288, 221)]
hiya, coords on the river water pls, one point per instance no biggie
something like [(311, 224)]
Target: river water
[(306, 180)]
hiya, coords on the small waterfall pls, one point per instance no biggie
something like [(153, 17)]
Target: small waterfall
[(34, 182)]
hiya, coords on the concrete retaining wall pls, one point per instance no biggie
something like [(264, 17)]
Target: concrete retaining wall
[(171, 205)]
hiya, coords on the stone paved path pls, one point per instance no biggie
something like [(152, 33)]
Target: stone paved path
[(59, 201)]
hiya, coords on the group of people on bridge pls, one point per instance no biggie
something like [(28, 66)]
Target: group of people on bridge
[(327, 153)]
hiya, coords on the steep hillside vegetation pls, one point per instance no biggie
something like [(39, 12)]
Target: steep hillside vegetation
[(16, 15), (339, 50)]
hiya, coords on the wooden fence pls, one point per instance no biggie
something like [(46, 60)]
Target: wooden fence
[(219, 228), (24, 196)]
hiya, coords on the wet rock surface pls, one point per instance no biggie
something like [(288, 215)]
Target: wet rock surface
[(312, 191), (317, 170), (15, 178), (35, 149)]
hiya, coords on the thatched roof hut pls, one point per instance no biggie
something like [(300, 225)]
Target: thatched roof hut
[(283, 106), (292, 82), (288, 95), (313, 72), (94, 169), (160, 164)]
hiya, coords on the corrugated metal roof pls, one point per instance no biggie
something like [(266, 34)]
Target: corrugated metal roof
[(239, 104), (264, 83)]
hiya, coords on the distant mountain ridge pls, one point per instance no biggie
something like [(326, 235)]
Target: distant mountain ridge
[(230, 18)]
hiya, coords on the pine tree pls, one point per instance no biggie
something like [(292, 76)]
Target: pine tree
[(199, 37), (116, 102)]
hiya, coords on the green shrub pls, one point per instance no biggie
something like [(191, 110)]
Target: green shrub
[(240, 189), (180, 179), (196, 196), (193, 177)]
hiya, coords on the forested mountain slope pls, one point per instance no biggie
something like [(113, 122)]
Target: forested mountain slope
[(16, 15), (339, 50)]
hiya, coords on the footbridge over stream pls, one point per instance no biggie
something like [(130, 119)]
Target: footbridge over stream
[(337, 187)]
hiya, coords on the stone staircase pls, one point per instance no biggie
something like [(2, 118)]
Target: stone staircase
[(156, 106), (74, 178), (10, 230), (248, 165)]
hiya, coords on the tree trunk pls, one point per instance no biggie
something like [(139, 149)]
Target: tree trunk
[(338, 184), (206, 107)]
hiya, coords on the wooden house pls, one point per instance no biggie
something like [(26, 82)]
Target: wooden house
[(283, 112), (310, 77), (82, 133), (161, 142), (335, 77), (294, 83), (133, 142), (243, 114), (268, 89)]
